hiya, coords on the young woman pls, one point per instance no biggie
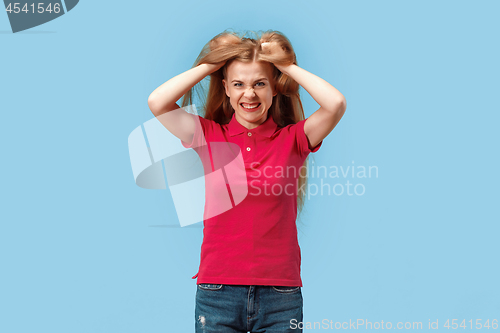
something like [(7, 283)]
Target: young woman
[(249, 275)]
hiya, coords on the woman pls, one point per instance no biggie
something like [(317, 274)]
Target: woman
[(249, 275)]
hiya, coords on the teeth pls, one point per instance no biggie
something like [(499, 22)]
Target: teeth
[(248, 106)]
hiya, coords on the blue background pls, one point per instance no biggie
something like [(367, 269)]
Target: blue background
[(84, 249)]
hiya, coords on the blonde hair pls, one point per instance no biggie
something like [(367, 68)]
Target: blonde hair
[(227, 46)]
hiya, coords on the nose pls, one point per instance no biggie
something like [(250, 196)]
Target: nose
[(249, 93)]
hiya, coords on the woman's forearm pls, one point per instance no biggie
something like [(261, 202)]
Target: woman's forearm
[(321, 91), (164, 98)]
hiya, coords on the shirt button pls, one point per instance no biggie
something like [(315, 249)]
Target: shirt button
[(248, 148), (249, 134)]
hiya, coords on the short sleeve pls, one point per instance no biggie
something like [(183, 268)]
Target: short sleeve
[(202, 130), (302, 141)]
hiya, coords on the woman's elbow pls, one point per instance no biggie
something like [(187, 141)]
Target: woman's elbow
[(339, 107), (152, 104), (343, 106)]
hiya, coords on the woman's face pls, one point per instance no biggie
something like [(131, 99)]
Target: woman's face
[(250, 88)]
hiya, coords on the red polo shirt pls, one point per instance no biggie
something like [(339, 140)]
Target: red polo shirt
[(250, 235)]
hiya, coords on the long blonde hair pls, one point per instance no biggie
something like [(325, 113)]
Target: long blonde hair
[(228, 46)]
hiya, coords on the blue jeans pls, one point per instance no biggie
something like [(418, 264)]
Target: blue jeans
[(224, 308)]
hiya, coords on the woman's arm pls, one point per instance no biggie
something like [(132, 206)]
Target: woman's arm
[(163, 100), (332, 103)]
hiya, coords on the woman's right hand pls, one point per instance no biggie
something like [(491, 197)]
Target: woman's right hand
[(215, 67)]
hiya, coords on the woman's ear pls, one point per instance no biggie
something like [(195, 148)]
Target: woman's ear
[(275, 90), (226, 88)]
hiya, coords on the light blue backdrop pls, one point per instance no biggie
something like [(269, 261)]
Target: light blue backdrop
[(84, 249)]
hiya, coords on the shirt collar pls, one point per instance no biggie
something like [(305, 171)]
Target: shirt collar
[(267, 128)]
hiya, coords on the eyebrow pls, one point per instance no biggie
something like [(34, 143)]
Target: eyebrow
[(261, 79)]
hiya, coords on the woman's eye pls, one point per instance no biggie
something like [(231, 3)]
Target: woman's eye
[(237, 84), (261, 84)]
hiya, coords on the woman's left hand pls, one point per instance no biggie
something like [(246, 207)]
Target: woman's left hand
[(274, 49)]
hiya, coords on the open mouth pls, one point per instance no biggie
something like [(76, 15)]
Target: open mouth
[(250, 107)]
